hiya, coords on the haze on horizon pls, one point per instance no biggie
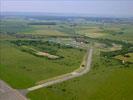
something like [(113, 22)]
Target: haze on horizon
[(116, 8)]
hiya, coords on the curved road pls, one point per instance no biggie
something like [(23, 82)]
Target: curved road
[(84, 68)]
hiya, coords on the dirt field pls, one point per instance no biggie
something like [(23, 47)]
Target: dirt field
[(47, 55)]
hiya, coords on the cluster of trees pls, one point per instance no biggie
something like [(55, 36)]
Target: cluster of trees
[(115, 53), (112, 32), (47, 46), (30, 51), (126, 48), (110, 42), (108, 56), (44, 46), (27, 42), (44, 17), (42, 23)]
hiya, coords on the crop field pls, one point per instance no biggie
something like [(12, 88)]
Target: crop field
[(94, 32), (46, 32)]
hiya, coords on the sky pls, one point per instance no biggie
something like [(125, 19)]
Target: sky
[(122, 8)]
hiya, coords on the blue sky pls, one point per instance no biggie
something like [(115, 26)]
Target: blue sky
[(84, 7)]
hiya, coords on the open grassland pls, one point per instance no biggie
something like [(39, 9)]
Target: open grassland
[(22, 69), (109, 79), (106, 81), (21, 26), (105, 47), (44, 30), (119, 31), (127, 57), (12, 26)]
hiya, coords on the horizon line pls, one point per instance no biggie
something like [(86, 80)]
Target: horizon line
[(69, 14)]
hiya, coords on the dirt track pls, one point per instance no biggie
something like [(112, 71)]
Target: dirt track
[(8, 93), (80, 71)]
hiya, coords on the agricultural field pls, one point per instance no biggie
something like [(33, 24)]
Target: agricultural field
[(56, 28), (48, 30), (93, 32), (32, 51), (108, 31)]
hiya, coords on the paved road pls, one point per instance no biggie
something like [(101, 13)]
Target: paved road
[(8, 93), (80, 71)]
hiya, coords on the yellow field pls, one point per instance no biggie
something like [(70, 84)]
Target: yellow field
[(47, 32), (92, 32), (127, 59)]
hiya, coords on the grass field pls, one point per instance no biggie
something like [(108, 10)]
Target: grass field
[(25, 69), (109, 78), (44, 30), (109, 31), (105, 81), (114, 30), (125, 58), (93, 32)]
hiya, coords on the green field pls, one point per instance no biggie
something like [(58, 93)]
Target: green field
[(105, 81), (108, 31), (44, 30), (26, 69), (113, 31), (127, 58), (108, 79)]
